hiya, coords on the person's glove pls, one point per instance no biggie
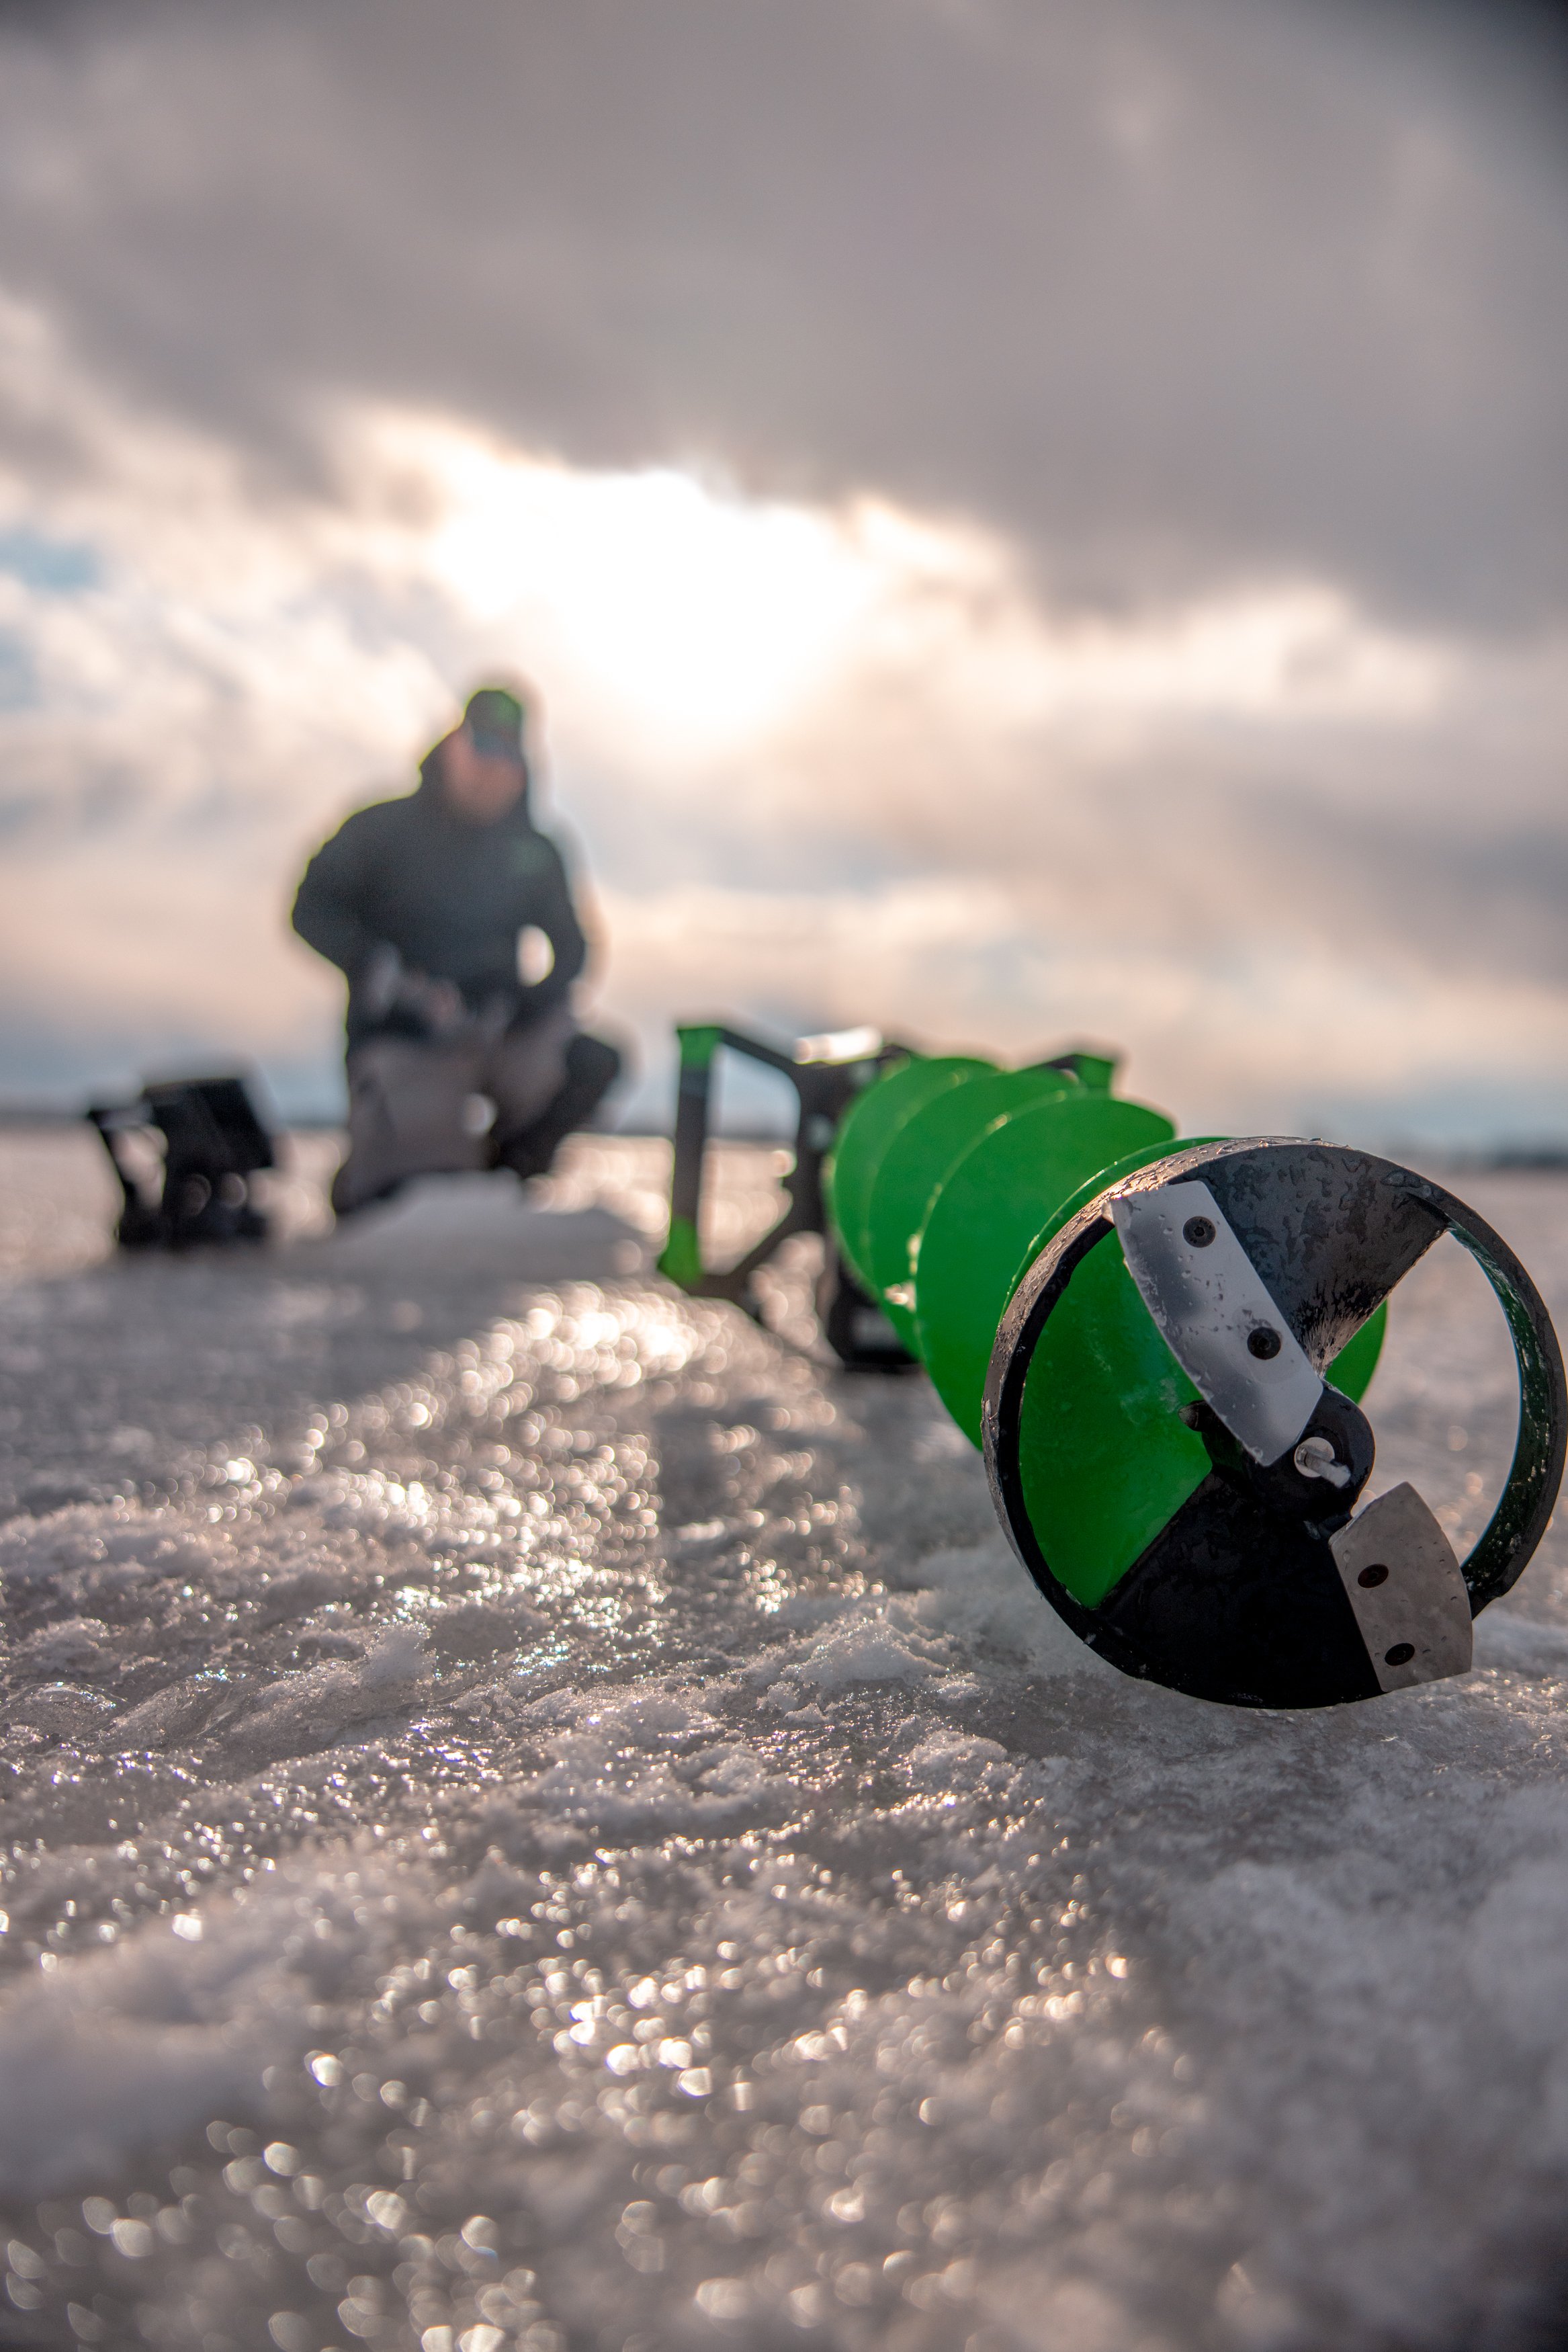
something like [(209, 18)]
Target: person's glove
[(388, 986)]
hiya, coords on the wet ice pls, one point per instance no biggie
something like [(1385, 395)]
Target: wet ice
[(540, 1815)]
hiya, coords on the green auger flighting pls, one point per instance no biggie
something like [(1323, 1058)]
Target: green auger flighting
[(1160, 1347)]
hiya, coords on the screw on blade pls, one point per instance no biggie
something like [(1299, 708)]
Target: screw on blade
[(1314, 1457), (1218, 1318), (1403, 1580)]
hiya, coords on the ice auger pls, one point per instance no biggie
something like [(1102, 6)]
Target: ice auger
[(1161, 1350)]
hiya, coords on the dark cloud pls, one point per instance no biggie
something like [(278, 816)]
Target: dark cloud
[(1175, 292), (1211, 312)]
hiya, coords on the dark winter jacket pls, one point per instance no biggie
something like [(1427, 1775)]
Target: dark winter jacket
[(451, 897)]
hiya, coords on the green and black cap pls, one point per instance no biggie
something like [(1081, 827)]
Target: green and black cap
[(493, 717)]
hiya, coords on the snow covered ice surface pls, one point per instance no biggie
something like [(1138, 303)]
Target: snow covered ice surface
[(539, 1815)]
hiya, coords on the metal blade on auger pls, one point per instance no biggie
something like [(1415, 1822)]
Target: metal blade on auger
[(1244, 1603), (1402, 1579), (1218, 1318)]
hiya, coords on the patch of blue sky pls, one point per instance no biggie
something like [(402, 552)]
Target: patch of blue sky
[(54, 567), (1461, 1111)]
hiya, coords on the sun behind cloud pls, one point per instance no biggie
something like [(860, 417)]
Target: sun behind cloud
[(829, 762)]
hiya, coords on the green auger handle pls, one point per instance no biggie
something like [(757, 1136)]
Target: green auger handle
[(1161, 1350), (827, 1073)]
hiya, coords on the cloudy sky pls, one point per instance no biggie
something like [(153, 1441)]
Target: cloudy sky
[(1029, 520)]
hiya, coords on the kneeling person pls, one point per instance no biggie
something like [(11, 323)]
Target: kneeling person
[(430, 905)]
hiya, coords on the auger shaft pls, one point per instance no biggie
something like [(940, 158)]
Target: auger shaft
[(1162, 1350)]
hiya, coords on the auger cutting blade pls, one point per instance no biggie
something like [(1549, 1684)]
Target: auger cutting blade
[(1219, 1322), (1405, 1590), (1175, 1447)]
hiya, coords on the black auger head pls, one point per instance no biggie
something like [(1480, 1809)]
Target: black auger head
[(1179, 1476)]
